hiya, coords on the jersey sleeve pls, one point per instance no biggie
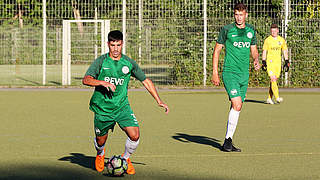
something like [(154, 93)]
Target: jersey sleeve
[(254, 38), (265, 44), (222, 36), (95, 67), (137, 71)]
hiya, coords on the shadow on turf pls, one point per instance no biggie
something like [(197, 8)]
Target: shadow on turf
[(49, 172), (85, 161), (27, 80), (197, 139), (80, 159), (255, 101)]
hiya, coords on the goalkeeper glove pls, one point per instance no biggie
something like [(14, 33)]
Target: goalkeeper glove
[(286, 65), (264, 65)]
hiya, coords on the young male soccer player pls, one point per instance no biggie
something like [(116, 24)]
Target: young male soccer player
[(110, 75), (239, 39), (271, 61)]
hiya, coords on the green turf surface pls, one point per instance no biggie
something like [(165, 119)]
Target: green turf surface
[(48, 135)]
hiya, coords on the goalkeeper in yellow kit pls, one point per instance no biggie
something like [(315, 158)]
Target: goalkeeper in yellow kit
[(271, 61)]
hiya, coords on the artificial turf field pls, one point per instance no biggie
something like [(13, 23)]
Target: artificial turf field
[(47, 134)]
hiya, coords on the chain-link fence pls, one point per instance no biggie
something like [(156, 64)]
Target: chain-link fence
[(171, 40)]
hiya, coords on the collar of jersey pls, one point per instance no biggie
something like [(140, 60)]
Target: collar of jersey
[(108, 57), (234, 24)]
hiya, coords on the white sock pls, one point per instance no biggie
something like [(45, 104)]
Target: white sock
[(99, 149), (130, 147), (232, 122)]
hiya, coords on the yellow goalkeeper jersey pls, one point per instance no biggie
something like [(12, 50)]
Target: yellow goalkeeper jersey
[(274, 46)]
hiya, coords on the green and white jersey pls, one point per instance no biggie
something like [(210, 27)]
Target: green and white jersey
[(117, 72), (237, 44)]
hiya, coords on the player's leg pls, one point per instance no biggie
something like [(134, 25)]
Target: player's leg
[(270, 70), (234, 113), (277, 75), (270, 94), (131, 145), (132, 141), (232, 86), (275, 88), (99, 143), (274, 72), (233, 117), (102, 124), (129, 124)]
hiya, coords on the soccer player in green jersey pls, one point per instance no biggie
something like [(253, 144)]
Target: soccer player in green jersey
[(110, 75), (239, 39)]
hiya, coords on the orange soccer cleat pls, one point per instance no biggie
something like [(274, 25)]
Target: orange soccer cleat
[(130, 169), (99, 163)]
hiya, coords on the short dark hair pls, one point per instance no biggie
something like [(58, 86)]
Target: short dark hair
[(240, 7), (115, 35), (274, 26)]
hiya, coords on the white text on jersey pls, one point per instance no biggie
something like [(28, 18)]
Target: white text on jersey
[(114, 81), (241, 44)]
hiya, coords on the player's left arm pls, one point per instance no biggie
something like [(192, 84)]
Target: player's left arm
[(148, 84), (255, 56), (286, 57)]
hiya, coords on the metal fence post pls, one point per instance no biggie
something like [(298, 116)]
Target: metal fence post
[(140, 27), (204, 42), (286, 20), (44, 41), (124, 19)]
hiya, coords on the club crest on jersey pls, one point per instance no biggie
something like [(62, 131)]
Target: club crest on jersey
[(233, 91), (125, 69), (97, 131), (279, 42), (250, 35)]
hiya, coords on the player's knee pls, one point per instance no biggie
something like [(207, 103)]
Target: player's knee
[(237, 107), (134, 137), (236, 103)]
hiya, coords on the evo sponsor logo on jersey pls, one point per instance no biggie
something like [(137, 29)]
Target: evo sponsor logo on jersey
[(275, 48), (114, 81), (241, 44)]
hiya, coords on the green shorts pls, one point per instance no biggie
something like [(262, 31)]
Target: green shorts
[(125, 118), (236, 84)]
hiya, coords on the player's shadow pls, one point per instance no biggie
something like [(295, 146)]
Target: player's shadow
[(80, 159), (197, 139), (86, 161), (254, 101)]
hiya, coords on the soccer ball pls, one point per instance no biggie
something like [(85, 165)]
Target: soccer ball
[(116, 166)]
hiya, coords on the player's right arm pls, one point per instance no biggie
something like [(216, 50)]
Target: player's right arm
[(215, 61), (92, 74), (91, 81)]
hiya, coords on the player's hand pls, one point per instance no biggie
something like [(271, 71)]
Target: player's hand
[(109, 86), (256, 65), (286, 66), (161, 104), (264, 66), (215, 79)]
